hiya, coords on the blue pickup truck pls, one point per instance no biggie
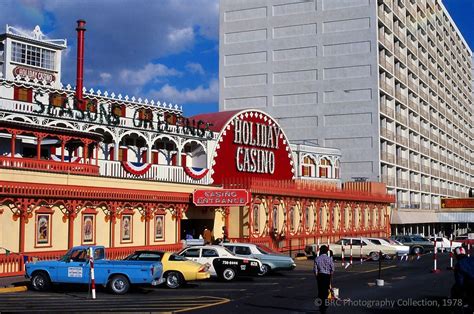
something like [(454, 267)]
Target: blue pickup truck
[(74, 267)]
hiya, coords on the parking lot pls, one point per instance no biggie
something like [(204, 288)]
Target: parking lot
[(409, 287)]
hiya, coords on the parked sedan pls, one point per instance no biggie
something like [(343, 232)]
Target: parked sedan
[(444, 244), (177, 270), (271, 261), (417, 243), (401, 249), (360, 246), (222, 262)]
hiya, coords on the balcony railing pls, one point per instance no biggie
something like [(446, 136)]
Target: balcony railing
[(162, 173), (387, 64), (425, 169), (401, 97), (414, 125), (402, 140), (402, 118), (402, 183), (425, 205), (387, 133), (386, 86), (389, 180), (402, 162), (415, 165), (388, 157), (48, 166), (387, 110), (415, 186)]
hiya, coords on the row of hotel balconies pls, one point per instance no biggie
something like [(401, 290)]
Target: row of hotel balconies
[(438, 133), (414, 18), (423, 169), (460, 163), (405, 184), (439, 97)]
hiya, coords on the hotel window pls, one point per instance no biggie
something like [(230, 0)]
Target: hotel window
[(23, 94), (324, 168), (33, 56), (308, 167)]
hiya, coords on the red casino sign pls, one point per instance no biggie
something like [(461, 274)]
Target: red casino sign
[(226, 197), (252, 144)]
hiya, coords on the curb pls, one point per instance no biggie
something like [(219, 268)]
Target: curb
[(14, 289), (301, 258)]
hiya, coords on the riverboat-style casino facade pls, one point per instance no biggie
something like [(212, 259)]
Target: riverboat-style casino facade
[(91, 167)]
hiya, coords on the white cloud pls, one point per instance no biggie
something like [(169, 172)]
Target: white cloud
[(148, 73), (199, 94), (180, 39), (105, 77), (195, 68)]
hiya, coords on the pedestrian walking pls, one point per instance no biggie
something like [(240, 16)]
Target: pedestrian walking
[(323, 269)]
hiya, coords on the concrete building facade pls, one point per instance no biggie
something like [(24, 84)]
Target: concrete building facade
[(387, 82)]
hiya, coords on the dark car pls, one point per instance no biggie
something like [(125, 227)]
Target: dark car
[(417, 243)]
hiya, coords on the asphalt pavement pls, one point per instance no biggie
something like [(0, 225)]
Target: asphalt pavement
[(410, 287)]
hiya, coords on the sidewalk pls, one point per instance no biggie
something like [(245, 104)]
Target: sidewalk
[(14, 281)]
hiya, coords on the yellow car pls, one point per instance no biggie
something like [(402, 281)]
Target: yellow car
[(177, 270)]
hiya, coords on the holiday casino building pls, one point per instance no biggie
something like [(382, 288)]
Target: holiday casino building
[(96, 167)]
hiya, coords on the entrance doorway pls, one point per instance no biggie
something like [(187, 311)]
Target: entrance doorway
[(195, 227)]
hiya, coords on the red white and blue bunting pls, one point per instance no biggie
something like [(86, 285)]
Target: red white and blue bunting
[(66, 158), (196, 173), (136, 168)]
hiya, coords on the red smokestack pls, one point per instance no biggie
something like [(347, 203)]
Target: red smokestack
[(80, 63)]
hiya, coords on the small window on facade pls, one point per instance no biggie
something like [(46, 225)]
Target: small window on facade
[(145, 115), (292, 218), (308, 167), (118, 110), (324, 168), (23, 94), (209, 253), (91, 105), (57, 100)]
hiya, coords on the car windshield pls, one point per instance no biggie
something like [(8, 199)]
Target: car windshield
[(265, 249), (420, 238), (145, 256)]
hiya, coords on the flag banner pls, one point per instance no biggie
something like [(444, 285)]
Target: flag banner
[(196, 173), (66, 158), (136, 168)]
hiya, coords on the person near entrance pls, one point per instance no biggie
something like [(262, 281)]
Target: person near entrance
[(207, 235)]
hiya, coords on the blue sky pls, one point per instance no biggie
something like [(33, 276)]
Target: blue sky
[(164, 50)]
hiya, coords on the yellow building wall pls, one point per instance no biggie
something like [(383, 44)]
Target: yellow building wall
[(9, 231), (234, 223), (58, 234)]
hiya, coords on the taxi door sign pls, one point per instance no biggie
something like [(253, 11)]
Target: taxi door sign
[(222, 197), (74, 272)]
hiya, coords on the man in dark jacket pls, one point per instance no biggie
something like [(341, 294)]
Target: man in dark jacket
[(323, 270), (464, 276)]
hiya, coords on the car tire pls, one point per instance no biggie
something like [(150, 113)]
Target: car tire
[(119, 284), (264, 270), (417, 250), (228, 274), (374, 256), (40, 281), (174, 279)]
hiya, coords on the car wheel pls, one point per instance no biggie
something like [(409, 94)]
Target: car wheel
[(374, 256), (264, 270), (417, 250), (174, 280), (40, 281), (119, 284), (228, 274)]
